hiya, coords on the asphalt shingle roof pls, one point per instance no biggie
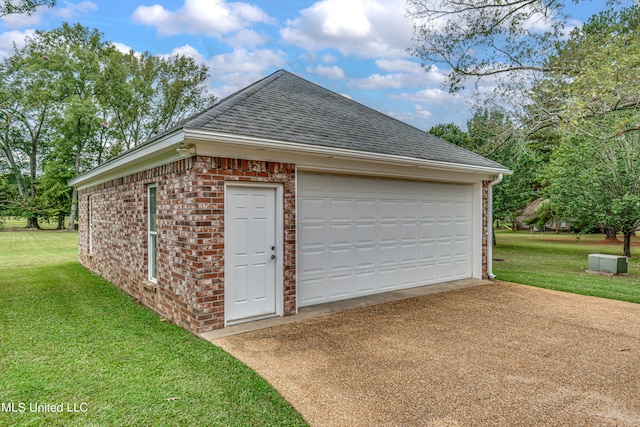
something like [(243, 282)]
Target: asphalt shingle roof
[(286, 107)]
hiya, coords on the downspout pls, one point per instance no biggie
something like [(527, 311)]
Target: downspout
[(497, 181)]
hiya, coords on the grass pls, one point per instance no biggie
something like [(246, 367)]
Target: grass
[(9, 223), (559, 261), (69, 337)]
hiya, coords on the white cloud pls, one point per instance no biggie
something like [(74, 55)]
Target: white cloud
[(121, 47), (248, 39), (378, 81), (422, 112), (72, 10), (68, 12), (234, 70), (213, 18), (328, 58), (10, 38), (333, 72), (22, 20), (404, 65), (539, 23), (188, 51), (401, 74), (362, 28)]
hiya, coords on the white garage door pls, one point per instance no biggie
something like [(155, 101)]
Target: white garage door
[(360, 235)]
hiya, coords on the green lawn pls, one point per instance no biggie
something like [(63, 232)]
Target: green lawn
[(15, 222), (69, 337), (559, 261)]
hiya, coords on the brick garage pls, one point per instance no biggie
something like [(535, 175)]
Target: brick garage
[(258, 145), (190, 214)]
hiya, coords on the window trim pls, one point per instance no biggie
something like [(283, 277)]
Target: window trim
[(152, 236)]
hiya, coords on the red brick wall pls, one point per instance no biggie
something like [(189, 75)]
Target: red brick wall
[(190, 235)]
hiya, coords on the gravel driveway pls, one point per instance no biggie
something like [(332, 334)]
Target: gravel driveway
[(498, 354)]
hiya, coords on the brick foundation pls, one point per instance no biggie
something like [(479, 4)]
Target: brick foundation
[(190, 235)]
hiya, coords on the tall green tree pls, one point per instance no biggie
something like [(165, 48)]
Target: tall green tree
[(594, 89), (107, 101), (147, 94), (596, 186), (72, 56), (26, 111)]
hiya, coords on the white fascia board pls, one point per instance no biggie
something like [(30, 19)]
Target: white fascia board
[(139, 159), (330, 152)]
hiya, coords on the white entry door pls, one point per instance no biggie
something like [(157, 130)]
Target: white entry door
[(250, 253)]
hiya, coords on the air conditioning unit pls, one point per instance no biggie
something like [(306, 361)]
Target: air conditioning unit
[(608, 263)]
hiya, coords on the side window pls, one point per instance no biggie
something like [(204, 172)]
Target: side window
[(152, 237)]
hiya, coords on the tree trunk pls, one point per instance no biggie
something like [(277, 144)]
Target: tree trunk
[(72, 215), (610, 233), (33, 223), (627, 243), (60, 222)]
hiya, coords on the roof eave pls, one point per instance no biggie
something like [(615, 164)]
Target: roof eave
[(272, 144), (148, 155)]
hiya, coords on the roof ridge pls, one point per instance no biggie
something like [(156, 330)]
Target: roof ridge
[(231, 101)]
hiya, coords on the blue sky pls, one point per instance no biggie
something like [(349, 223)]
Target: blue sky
[(354, 47)]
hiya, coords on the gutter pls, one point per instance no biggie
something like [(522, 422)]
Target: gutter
[(497, 181)]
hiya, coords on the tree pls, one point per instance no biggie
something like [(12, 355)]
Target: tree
[(147, 94), (480, 38), (595, 185), (594, 88), (452, 133), (490, 134), (10, 7), (25, 113), (95, 101)]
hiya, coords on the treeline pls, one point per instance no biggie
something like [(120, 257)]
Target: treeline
[(70, 100), (569, 127)]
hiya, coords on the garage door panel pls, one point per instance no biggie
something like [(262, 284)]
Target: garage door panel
[(362, 235), (366, 282), (444, 231), (388, 279), (312, 210), (408, 276), (341, 235), (312, 263), (444, 271), (366, 210), (409, 253), (388, 232), (340, 259), (313, 236), (427, 252), (341, 210), (365, 257), (341, 286), (365, 234), (427, 273), (409, 211), (389, 255), (390, 211)]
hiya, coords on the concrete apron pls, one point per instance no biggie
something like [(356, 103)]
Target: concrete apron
[(335, 307)]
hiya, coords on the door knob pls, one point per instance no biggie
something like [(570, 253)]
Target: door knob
[(273, 257)]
